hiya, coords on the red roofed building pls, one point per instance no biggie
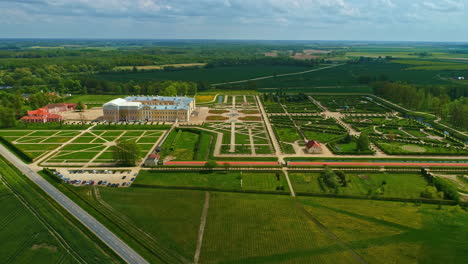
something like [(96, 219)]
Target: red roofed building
[(60, 107), (48, 113), (313, 147), (40, 116)]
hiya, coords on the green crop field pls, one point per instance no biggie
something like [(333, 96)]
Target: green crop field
[(348, 76), (32, 225), (161, 225), (390, 232), (24, 238), (211, 75), (264, 229)]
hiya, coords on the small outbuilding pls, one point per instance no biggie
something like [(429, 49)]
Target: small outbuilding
[(152, 160), (313, 147)]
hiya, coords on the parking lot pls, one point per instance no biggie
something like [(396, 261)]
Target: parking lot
[(109, 178)]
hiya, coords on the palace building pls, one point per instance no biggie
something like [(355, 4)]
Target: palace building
[(149, 108)]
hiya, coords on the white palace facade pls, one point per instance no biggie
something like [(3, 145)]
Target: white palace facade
[(149, 108)]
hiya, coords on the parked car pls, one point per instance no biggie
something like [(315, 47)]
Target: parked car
[(99, 182), (132, 179), (124, 177)]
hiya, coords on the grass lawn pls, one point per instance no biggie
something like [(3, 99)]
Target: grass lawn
[(57, 140), (321, 137), (395, 148), (287, 134), (184, 147), (200, 99), (397, 185), (44, 147), (390, 232), (75, 155), (264, 181)]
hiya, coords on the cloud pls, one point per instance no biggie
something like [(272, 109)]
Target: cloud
[(443, 5), (239, 16)]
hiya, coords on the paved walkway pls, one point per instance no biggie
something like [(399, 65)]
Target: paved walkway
[(274, 140)]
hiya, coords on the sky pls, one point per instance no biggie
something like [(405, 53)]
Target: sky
[(380, 20)]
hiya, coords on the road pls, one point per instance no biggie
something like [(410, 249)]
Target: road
[(279, 75), (111, 240)]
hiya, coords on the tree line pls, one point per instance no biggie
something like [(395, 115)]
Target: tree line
[(448, 103)]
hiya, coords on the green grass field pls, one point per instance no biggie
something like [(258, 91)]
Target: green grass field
[(232, 180), (364, 184)]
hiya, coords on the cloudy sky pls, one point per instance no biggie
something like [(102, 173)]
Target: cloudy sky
[(414, 20)]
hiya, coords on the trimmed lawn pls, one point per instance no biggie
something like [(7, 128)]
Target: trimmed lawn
[(260, 181), (75, 156), (287, 134), (57, 140)]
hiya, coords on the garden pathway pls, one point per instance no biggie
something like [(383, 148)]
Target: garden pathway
[(274, 140)]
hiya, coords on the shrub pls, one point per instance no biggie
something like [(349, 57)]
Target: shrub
[(25, 157)]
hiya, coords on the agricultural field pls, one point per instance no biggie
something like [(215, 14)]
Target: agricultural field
[(251, 226), (159, 67), (210, 75), (397, 232), (34, 228), (32, 242), (349, 73)]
